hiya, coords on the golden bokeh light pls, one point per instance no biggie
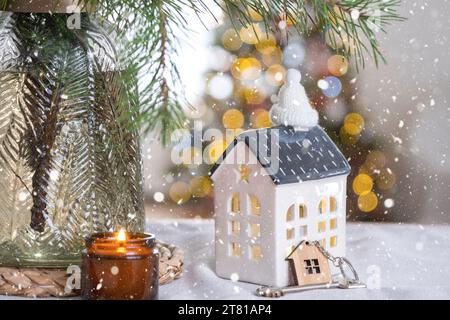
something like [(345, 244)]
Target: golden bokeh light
[(367, 202), (274, 57), (337, 65), (260, 118), (254, 96), (231, 40), (254, 15), (266, 44), (362, 184), (275, 75), (386, 179), (246, 68), (376, 159), (353, 123), (180, 192), (367, 168), (200, 187), (251, 34), (233, 119), (348, 139)]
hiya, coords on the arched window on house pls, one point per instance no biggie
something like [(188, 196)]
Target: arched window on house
[(236, 203), (333, 204), (302, 211), (255, 205), (290, 214), (322, 206)]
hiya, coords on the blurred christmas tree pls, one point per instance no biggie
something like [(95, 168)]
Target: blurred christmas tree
[(250, 66)]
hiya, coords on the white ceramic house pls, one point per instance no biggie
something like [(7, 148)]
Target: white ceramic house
[(275, 187)]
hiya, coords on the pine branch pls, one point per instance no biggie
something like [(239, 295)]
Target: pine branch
[(351, 34), (147, 27), (151, 45), (351, 25)]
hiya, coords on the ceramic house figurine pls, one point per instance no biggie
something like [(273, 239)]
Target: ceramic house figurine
[(275, 187)]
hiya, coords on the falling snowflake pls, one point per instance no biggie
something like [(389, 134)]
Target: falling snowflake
[(158, 196)]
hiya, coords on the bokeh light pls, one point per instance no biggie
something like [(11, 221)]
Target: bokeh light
[(254, 96), (348, 139), (275, 75), (353, 123), (376, 159), (220, 86), (367, 202), (293, 55), (246, 68), (362, 184), (251, 34), (200, 187), (220, 59), (266, 44), (233, 119), (254, 15), (179, 192), (337, 65), (389, 203), (367, 168), (274, 57), (323, 84), (231, 40), (334, 87), (260, 118), (386, 179)]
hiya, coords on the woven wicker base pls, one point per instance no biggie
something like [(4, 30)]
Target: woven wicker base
[(42, 283)]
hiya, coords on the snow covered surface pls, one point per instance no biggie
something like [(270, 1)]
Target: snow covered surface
[(410, 261)]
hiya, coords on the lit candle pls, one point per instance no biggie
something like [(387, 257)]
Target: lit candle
[(120, 266)]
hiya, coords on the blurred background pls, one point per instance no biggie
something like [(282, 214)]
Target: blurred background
[(392, 122)]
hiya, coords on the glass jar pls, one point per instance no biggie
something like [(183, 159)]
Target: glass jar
[(120, 269), (68, 166)]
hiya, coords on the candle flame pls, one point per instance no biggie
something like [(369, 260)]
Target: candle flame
[(121, 236)]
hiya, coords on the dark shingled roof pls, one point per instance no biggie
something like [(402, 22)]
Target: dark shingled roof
[(302, 155)]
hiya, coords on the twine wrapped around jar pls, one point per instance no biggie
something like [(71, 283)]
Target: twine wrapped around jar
[(46, 6)]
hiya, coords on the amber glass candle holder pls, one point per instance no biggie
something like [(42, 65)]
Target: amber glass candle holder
[(120, 266)]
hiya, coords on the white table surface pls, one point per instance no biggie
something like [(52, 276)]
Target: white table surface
[(413, 262)]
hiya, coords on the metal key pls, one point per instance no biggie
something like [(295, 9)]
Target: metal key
[(271, 292)]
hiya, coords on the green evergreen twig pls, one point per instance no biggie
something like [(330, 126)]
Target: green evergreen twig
[(148, 28)]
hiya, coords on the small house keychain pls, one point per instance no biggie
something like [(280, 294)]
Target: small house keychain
[(310, 263)]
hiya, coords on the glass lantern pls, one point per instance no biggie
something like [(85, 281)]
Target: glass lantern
[(69, 167)]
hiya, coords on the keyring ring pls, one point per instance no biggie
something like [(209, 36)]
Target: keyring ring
[(343, 261)]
